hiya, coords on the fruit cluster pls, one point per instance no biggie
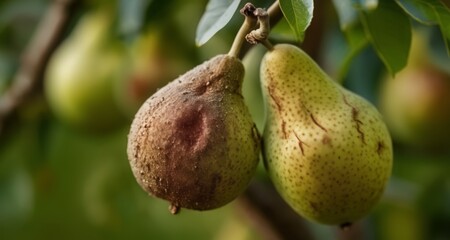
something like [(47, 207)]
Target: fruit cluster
[(194, 142), (326, 149)]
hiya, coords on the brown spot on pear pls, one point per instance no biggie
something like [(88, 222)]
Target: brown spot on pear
[(330, 167), (193, 142)]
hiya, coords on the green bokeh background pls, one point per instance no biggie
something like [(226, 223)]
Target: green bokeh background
[(62, 182)]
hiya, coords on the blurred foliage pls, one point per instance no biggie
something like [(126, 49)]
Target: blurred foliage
[(62, 182), (18, 19), (72, 185)]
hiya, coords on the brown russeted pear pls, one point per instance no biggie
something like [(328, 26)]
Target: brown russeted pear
[(193, 143), (326, 149)]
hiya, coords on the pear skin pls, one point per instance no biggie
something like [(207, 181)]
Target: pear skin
[(327, 150), (194, 143)]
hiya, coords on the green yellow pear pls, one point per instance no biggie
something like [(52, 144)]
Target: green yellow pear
[(193, 143), (82, 74), (327, 150)]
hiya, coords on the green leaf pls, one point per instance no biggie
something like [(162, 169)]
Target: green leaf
[(218, 13), (357, 41), (282, 32), (429, 12), (298, 14), (389, 31), (346, 12), (443, 16), (420, 10)]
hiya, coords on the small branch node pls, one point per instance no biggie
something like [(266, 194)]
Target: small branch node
[(248, 10), (261, 34)]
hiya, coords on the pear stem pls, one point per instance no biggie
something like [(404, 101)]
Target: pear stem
[(249, 24), (275, 13), (248, 32), (261, 34)]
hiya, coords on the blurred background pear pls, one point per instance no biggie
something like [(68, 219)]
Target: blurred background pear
[(416, 102), (81, 75), (58, 180), (153, 61)]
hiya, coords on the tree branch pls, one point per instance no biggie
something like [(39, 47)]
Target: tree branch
[(29, 76), (271, 215), (275, 15)]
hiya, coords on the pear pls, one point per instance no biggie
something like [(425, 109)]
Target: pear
[(416, 102), (416, 105), (81, 75), (193, 143), (153, 62), (327, 150)]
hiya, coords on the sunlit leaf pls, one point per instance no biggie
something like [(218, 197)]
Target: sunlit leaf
[(346, 12), (298, 14), (389, 31), (218, 13)]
